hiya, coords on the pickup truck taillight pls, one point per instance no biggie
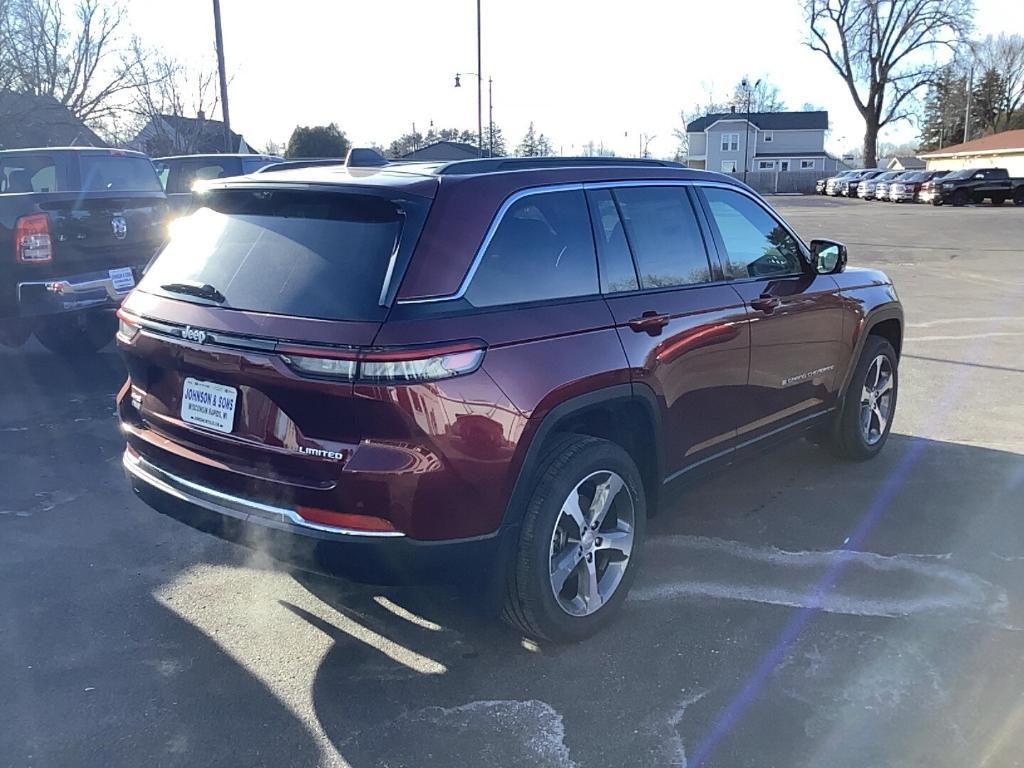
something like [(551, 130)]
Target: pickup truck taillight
[(32, 239)]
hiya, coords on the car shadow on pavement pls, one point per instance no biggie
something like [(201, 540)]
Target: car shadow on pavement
[(419, 676), (96, 669)]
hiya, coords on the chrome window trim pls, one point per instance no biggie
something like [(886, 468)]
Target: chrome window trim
[(495, 223), (516, 196), (228, 504)]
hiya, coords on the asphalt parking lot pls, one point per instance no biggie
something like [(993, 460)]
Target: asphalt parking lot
[(750, 639)]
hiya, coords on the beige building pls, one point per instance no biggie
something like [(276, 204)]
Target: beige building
[(1000, 150)]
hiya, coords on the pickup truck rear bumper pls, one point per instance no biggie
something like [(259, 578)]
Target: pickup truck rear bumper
[(53, 295)]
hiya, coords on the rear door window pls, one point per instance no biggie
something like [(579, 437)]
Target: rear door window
[(118, 173), (307, 254), (756, 245), (662, 231), (22, 173), (542, 249)]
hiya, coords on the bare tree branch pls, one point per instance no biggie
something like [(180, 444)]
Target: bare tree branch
[(884, 51)]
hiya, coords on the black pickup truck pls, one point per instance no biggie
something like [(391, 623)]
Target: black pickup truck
[(77, 226), (974, 185)]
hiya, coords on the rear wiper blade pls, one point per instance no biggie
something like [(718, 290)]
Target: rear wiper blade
[(202, 290)]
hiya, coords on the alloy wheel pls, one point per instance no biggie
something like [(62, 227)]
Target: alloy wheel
[(876, 399), (591, 543)]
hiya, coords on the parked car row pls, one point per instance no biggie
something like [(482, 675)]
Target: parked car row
[(970, 185)]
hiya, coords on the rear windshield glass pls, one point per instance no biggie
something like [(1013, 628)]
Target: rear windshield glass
[(311, 254), (112, 173)]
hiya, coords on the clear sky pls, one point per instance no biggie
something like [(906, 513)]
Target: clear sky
[(580, 69)]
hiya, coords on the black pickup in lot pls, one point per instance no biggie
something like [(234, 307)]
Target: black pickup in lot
[(77, 225), (974, 185)]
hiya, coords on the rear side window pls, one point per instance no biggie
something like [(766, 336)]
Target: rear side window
[(542, 249), (27, 173), (308, 254), (664, 235), (113, 173), (756, 245)]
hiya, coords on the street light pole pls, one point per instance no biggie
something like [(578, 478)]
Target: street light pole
[(490, 117), (223, 79), (746, 136), (490, 108), (479, 88)]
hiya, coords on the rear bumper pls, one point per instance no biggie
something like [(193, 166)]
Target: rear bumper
[(372, 557), (53, 295)]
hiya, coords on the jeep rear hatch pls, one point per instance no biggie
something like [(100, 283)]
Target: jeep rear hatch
[(314, 254)]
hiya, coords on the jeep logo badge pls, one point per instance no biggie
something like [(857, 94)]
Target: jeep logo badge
[(193, 334), (120, 227)]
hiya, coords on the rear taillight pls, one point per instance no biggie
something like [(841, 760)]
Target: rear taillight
[(32, 239), (386, 367), (127, 326)]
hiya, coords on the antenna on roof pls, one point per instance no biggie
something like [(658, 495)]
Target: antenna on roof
[(364, 157)]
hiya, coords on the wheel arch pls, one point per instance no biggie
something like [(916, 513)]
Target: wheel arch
[(625, 414)]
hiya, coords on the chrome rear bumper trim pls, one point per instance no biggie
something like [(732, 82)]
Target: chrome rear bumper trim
[(228, 504)]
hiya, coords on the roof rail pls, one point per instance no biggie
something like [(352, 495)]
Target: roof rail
[(492, 164)]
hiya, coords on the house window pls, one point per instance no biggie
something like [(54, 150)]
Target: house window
[(767, 137), (728, 166), (730, 142), (805, 164), (766, 165)]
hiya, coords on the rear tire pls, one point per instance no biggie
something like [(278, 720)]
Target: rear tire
[(998, 200), (861, 428), (557, 546), (15, 331), (1018, 197), (77, 335)]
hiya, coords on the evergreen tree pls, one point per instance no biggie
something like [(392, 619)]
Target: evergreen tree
[(534, 144)]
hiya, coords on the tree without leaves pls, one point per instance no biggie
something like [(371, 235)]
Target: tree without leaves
[(81, 63), (764, 96), (880, 47), (317, 141)]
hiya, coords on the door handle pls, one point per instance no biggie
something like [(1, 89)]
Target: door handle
[(766, 304), (649, 322)]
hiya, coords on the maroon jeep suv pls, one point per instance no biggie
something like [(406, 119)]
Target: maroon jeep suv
[(488, 367)]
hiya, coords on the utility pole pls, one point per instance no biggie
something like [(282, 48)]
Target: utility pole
[(967, 114), (490, 117), (479, 88), (223, 78)]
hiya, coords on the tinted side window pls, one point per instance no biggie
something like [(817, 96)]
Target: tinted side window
[(663, 233), (617, 270), (542, 249), (756, 244)]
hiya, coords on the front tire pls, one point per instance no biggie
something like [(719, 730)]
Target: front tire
[(579, 542), (960, 198), (862, 427), (78, 334)]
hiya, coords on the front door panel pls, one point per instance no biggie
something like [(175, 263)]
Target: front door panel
[(796, 315)]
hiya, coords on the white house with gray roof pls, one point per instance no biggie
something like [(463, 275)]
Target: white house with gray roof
[(770, 141)]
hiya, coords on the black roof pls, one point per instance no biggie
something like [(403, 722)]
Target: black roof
[(767, 121), (495, 164), (100, 150), (41, 121), (413, 175), (443, 150)]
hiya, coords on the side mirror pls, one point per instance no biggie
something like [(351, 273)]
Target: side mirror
[(828, 257)]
